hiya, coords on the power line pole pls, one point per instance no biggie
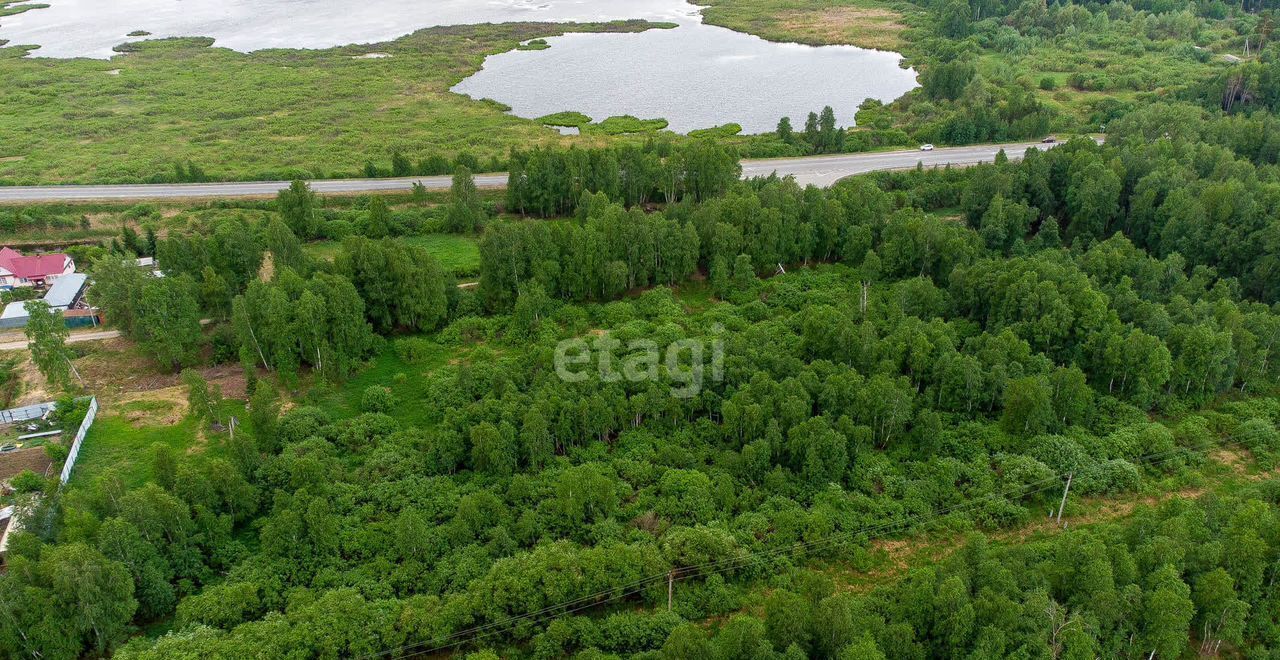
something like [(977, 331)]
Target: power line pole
[(671, 586), (1063, 505)]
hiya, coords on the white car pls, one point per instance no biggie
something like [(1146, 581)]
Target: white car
[(926, 147)]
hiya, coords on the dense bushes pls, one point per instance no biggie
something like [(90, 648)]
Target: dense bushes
[(923, 362)]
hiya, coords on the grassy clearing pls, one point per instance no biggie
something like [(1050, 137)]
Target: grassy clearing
[(866, 23), (142, 405), (115, 443), (123, 434), (326, 113), (459, 255), (406, 381)]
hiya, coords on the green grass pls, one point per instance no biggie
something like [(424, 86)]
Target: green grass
[(576, 119), (535, 44), (13, 9), (407, 381), (114, 442), (727, 130), (263, 115), (628, 124), (695, 295), (459, 255)]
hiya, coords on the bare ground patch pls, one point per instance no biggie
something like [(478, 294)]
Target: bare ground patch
[(117, 372), (163, 407), (30, 458), (35, 388)]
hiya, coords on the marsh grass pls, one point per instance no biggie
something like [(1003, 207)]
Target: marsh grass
[(727, 130), (877, 24), (627, 124), (13, 9), (271, 114), (568, 118)]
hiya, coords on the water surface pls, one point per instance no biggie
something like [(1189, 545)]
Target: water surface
[(89, 28), (695, 75)]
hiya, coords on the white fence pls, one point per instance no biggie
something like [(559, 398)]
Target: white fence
[(80, 433), (11, 512)]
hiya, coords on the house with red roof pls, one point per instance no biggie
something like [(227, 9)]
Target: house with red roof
[(17, 269)]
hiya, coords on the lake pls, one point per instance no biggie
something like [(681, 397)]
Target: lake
[(695, 75)]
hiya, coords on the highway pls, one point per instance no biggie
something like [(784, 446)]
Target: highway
[(817, 170)]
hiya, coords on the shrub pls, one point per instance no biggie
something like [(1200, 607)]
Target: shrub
[(727, 130), (221, 606), (1259, 435), (1048, 84), (414, 350), (27, 482), (56, 453), (377, 399)]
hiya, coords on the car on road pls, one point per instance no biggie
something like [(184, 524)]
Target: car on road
[(1049, 140), (926, 147)]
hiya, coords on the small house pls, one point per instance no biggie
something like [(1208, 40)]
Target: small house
[(17, 269)]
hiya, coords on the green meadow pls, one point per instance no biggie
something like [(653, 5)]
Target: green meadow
[(265, 115)]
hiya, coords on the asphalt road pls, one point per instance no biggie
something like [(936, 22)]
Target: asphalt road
[(817, 170)]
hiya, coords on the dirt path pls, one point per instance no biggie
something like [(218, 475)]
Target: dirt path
[(18, 342)]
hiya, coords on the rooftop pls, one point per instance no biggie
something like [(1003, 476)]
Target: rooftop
[(64, 290), (32, 267)]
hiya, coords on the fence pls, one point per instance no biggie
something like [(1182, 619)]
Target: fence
[(80, 433)]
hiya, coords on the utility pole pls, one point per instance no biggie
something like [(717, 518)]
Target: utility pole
[(1066, 490), (74, 370), (254, 337), (671, 586)]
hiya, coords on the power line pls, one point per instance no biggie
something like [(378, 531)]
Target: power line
[(683, 574), (709, 568)]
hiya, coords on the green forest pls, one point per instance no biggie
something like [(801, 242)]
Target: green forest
[(633, 406), (415, 474)]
